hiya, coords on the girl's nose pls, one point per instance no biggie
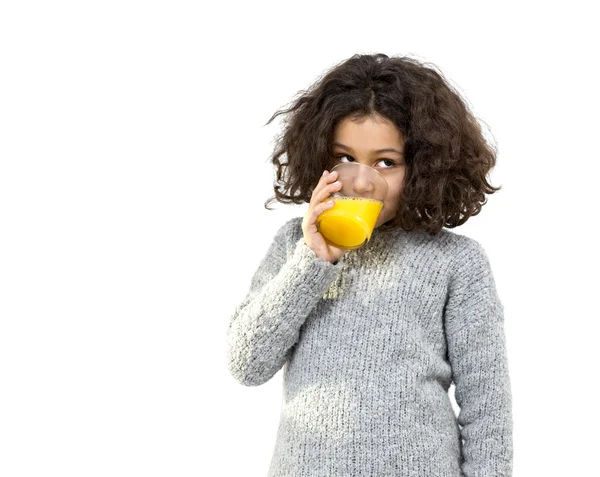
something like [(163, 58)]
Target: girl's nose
[(363, 186)]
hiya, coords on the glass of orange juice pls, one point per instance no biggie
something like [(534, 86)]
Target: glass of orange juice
[(349, 223)]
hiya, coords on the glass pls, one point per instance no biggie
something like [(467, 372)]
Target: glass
[(350, 222)]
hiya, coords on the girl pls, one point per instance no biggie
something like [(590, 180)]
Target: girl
[(371, 339)]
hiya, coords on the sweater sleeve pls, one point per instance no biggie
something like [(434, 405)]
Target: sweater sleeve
[(474, 323), (283, 291)]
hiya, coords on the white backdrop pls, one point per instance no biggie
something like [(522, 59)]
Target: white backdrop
[(134, 168)]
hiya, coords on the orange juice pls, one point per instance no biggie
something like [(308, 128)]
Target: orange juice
[(350, 222)]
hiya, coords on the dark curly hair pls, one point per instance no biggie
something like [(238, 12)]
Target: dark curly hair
[(447, 158)]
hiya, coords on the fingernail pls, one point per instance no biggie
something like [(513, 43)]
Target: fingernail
[(324, 173)]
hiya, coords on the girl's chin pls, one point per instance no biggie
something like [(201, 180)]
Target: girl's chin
[(381, 220)]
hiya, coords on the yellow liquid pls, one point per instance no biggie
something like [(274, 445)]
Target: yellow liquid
[(350, 222)]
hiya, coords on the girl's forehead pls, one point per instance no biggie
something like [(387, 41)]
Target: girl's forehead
[(367, 132)]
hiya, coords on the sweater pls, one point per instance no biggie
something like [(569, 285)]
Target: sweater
[(369, 347)]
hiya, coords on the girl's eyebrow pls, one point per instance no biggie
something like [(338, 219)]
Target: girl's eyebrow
[(388, 149)]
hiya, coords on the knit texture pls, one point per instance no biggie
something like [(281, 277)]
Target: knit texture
[(369, 347)]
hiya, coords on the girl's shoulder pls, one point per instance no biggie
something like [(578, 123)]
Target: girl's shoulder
[(457, 241), (289, 234), (467, 255), (447, 248), (445, 241)]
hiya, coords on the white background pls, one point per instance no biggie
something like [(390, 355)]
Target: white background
[(134, 168)]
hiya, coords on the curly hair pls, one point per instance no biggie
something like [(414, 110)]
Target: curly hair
[(446, 155)]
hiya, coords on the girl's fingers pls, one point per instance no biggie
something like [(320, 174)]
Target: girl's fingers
[(319, 209), (325, 187), (318, 202), (328, 190)]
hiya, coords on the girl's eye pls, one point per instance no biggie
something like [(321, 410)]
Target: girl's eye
[(389, 162), (343, 155)]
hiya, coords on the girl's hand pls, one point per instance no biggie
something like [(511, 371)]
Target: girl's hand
[(312, 237)]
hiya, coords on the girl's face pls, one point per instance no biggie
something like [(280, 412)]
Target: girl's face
[(376, 142)]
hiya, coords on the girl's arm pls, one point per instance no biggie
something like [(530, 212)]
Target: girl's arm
[(474, 321), (283, 291)]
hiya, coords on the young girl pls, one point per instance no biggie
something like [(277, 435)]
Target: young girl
[(371, 339)]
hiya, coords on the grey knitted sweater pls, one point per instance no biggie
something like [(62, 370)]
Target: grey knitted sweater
[(369, 347)]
